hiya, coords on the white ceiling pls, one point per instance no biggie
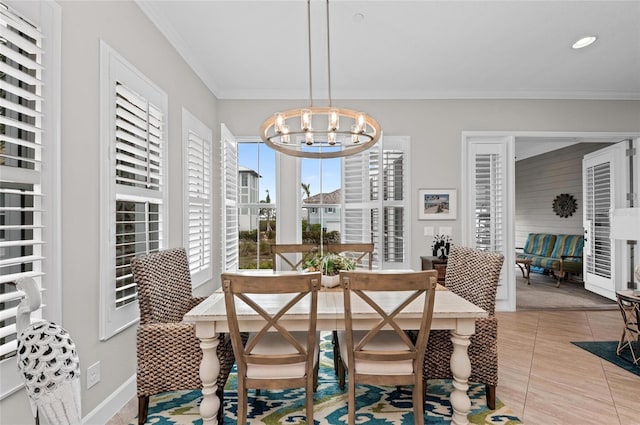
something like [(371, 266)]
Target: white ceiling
[(408, 49)]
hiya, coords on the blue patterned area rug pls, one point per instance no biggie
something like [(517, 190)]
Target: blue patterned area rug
[(375, 405), (607, 350)]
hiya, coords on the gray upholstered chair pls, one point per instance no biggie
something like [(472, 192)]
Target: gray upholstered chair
[(473, 274), (168, 350)]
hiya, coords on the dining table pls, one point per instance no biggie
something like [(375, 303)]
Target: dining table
[(450, 311)]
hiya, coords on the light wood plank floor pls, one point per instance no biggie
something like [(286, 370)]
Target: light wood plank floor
[(546, 380)]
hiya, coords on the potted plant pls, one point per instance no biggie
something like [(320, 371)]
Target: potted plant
[(329, 265)]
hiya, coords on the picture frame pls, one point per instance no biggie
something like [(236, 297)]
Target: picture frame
[(437, 204)]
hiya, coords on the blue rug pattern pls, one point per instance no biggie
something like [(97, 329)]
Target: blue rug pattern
[(607, 350), (375, 405)]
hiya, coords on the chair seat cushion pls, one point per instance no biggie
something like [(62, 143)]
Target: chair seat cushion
[(383, 341), (274, 343)]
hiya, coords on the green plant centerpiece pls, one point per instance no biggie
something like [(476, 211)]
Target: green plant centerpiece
[(329, 264)]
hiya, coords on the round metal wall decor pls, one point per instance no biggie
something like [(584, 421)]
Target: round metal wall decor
[(565, 205)]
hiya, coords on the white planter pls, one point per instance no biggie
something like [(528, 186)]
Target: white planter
[(330, 281)]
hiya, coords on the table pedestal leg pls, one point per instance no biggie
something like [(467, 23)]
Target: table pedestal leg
[(209, 370), (461, 370)]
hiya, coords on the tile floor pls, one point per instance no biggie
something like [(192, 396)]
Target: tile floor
[(546, 380)]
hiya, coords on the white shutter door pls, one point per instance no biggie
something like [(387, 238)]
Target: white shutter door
[(230, 200), (604, 188), (486, 202), (392, 194), (356, 182), (199, 208), (21, 196)]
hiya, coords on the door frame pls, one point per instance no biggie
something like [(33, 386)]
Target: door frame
[(509, 138)]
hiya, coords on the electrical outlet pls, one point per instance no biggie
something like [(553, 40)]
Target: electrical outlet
[(93, 374)]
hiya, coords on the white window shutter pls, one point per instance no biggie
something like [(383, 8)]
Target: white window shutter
[(375, 201), (356, 198), (488, 181), (21, 194), (230, 200), (197, 139), (133, 135)]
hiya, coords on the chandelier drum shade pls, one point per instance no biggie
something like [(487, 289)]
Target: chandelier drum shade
[(317, 131)]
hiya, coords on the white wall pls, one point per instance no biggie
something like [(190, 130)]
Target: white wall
[(127, 30), (539, 180), (435, 128)]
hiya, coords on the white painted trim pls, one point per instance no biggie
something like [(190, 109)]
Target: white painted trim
[(112, 404)]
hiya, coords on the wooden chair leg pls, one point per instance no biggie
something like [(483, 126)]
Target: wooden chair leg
[(336, 352), (490, 390), (143, 409), (341, 375)]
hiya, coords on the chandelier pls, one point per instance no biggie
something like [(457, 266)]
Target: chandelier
[(320, 132)]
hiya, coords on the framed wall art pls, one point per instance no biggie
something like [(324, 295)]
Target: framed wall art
[(436, 204)]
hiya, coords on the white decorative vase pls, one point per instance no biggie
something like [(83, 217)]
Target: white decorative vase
[(330, 281)]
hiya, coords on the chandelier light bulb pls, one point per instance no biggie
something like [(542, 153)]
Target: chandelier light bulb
[(354, 134), (361, 122), (285, 138), (308, 137), (334, 120), (332, 138), (279, 123), (305, 120)]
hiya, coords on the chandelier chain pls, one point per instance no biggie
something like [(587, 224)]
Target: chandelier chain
[(309, 51), (328, 55)]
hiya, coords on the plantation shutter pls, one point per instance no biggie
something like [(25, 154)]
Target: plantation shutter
[(356, 198), (139, 185), (375, 201), (230, 200), (21, 195), (597, 205), (199, 206), (392, 184), (489, 183), (487, 206)]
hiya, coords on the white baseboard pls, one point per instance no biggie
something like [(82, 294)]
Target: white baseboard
[(113, 404)]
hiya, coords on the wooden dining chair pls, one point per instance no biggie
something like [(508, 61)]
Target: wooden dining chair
[(273, 357), (384, 354), (292, 256)]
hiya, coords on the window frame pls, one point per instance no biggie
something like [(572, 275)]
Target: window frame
[(48, 17), (191, 124), (115, 68)]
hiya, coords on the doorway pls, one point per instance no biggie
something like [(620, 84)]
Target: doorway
[(509, 148)]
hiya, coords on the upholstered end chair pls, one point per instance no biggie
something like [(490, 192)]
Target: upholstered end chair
[(168, 351), (473, 274)]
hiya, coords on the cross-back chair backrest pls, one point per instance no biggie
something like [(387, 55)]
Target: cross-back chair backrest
[(474, 275), (246, 293), (355, 251), (164, 285), (288, 255), (373, 289)]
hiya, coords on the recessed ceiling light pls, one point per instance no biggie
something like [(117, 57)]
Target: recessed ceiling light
[(584, 42)]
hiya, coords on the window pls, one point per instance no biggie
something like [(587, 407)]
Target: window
[(133, 112), (196, 139), (358, 198), (29, 158)]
